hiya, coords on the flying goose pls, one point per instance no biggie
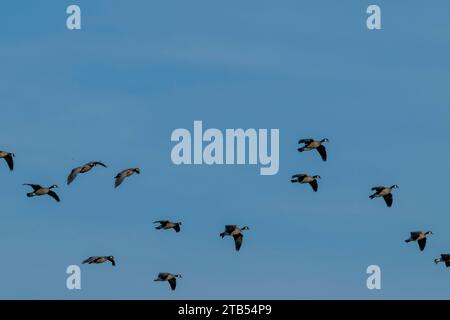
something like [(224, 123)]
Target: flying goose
[(304, 178), (171, 278), (233, 230), (83, 169), (311, 144), (420, 237), (120, 177), (444, 258), (41, 191), (98, 260), (384, 192), (166, 224), (8, 156)]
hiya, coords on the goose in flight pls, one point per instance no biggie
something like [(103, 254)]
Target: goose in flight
[(236, 233), (41, 191), (420, 237), (311, 144), (384, 192), (171, 278), (166, 225), (445, 257), (304, 178), (98, 260), (83, 169), (120, 177)]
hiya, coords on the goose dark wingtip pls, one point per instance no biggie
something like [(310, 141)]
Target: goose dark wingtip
[(173, 284), (314, 185), (100, 163), (54, 195), (322, 152), (389, 200)]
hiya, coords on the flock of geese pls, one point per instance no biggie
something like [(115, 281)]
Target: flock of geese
[(378, 192), (230, 230), (38, 190)]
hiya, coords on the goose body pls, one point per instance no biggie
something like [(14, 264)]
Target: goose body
[(311, 144), (166, 225), (38, 190), (169, 277), (384, 192), (420, 237), (8, 156), (121, 176), (304, 178), (101, 259), (83, 169), (236, 233)]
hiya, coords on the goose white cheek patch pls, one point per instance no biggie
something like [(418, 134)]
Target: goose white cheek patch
[(235, 147)]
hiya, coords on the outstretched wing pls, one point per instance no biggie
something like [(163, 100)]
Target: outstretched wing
[(173, 283), (119, 179), (34, 186), (230, 228), (323, 152), (177, 228), (73, 174), (422, 242), (163, 275), (98, 163), (306, 141), (238, 241), (298, 176), (314, 185), (388, 199), (9, 160), (89, 260), (53, 195)]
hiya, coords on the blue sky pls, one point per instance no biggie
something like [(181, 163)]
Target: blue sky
[(115, 90)]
